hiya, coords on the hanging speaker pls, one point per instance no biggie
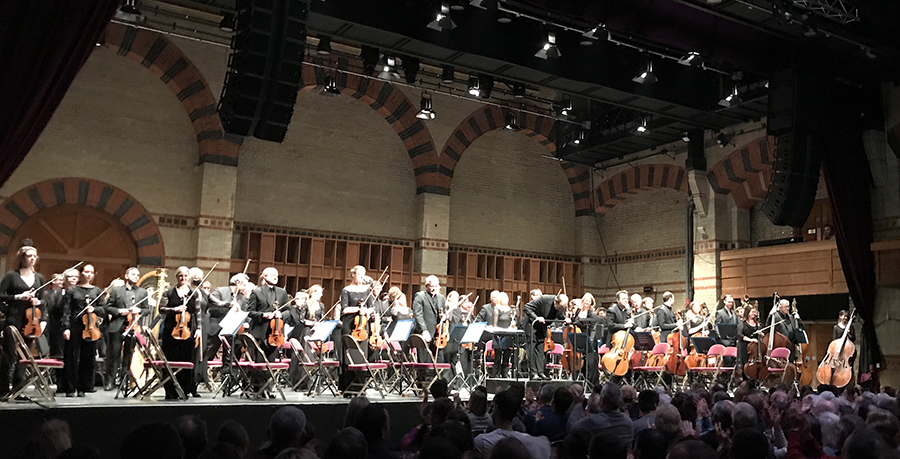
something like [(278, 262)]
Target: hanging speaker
[(795, 179)]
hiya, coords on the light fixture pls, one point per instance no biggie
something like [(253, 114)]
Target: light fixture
[(447, 74), (504, 17), (129, 12), (692, 58), (518, 90), (511, 123), (590, 36), (642, 128), (330, 88), (389, 71), (474, 86), (324, 46), (685, 137), (369, 56), (731, 99), (565, 107), (579, 136), (426, 112), (549, 50), (723, 139), (227, 22), (410, 68), (478, 4), (442, 20), (99, 44), (458, 5), (647, 76)]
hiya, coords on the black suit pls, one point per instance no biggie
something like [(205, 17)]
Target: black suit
[(262, 300), (539, 307), (665, 319), (723, 316), (788, 328), (617, 318), (427, 310), (122, 298)]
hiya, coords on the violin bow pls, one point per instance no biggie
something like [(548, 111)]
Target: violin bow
[(91, 303), (63, 274)]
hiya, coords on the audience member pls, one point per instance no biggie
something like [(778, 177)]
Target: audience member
[(553, 424), (286, 430), (650, 444), (233, 433), (506, 405), (610, 419), (647, 401), (356, 404), (349, 443), (478, 415), (52, 438), (510, 448), (192, 431), (163, 436), (374, 423), (439, 448), (606, 445)]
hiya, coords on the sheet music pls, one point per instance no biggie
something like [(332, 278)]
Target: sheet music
[(322, 331), (474, 332), (232, 321), (401, 332)]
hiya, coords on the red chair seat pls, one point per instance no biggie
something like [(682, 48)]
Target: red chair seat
[(49, 363), (363, 367), (214, 363), (647, 368), (443, 366), (776, 370), (177, 365), (554, 366), (704, 369), (488, 364)]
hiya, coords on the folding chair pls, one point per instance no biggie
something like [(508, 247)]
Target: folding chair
[(420, 344), (372, 373), (36, 370), (319, 372), (258, 375), (641, 373), (730, 351), (163, 369), (554, 366), (781, 355), (488, 364)]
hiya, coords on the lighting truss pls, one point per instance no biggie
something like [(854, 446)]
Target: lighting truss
[(840, 11)]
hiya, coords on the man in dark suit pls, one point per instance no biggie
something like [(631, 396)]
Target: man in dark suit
[(619, 315), (428, 305), (537, 312), (665, 317), (788, 326), (128, 298), (261, 307), (727, 315), (221, 301)]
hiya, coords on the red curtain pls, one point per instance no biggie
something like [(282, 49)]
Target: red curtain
[(43, 45)]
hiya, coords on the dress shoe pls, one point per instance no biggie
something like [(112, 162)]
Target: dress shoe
[(195, 394), (535, 376), (545, 377), (70, 394), (81, 393), (108, 386)]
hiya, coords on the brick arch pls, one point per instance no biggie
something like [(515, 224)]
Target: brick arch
[(396, 109), (27, 202), (164, 59), (539, 128), (745, 173), (632, 181)]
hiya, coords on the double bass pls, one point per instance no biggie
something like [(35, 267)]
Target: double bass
[(835, 367), (674, 361), (572, 361)]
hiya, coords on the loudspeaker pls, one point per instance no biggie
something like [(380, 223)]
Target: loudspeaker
[(795, 179), (797, 100), (264, 68)]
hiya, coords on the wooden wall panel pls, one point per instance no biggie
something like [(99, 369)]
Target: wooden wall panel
[(809, 268)]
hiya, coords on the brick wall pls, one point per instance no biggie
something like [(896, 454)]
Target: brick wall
[(506, 195)]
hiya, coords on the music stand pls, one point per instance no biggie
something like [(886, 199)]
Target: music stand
[(321, 332), (475, 333), (401, 331), (702, 344), (643, 341), (230, 324), (456, 334), (515, 334), (727, 331), (581, 343)]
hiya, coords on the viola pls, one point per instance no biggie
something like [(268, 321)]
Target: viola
[(442, 334), (90, 320), (32, 322), (359, 328), (276, 325), (835, 367)]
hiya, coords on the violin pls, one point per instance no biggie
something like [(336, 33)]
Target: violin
[(276, 325), (571, 361), (182, 330), (442, 334), (376, 341), (32, 322), (91, 323), (359, 332)]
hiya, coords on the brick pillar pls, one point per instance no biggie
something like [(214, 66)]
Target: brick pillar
[(712, 227), (587, 247), (215, 220), (432, 236)]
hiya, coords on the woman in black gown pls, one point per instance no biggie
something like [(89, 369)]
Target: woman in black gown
[(357, 299), (17, 291), (174, 301), (746, 332), (80, 352)]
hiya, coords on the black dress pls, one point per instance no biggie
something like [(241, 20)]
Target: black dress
[(11, 285), (352, 296), (178, 350), (54, 303), (745, 329)]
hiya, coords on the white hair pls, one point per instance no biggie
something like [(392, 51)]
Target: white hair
[(432, 279), (831, 429)]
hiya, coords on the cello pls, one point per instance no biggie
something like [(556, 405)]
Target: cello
[(835, 367), (617, 360), (572, 361), (674, 361)]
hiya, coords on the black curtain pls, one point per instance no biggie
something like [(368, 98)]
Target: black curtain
[(43, 45), (848, 179)]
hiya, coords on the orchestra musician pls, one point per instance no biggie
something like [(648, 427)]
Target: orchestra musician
[(747, 332), (644, 322), (789, 325), (356, 299), (428, 305), (727, 315), (695, 322), (841, 325), (222, 300), (200, 369), (665, 317), (80, 352), (399, 309), (262, 308), (635, 301), (17, 292), (53, 299), (590, 322), (537, 312), (619, 314), (173, 302), (129, 298), (498, 313)]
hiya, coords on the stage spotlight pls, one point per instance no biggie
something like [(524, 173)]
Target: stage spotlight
[(426, 112), (410, 68), (511, 122), (474, 86), (389, 71), (549, 50), (478, 4), (129, 12), (227, 22), (590, 36), (565, 107), (330, 88), (691, 59), (448, 74), (442, 20), (642, 128), (732, 99), (369, 56), (723, 139), (579, 136), (685, 137), (647, 76), (324, 46), (518, 90)]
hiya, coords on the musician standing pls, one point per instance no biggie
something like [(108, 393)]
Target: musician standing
[(356, 300), (786, 324), (222, 300), (665, 317), (129, 298), (537, 312), (173, 302), (262, 308), (589, 322), (619, 315), (841, 325), (428, 305), (727, 315), (17, 292), (80, 351), (53, 299)]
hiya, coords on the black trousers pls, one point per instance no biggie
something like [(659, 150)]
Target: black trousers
[(114, 359), (535, 348), (79, 363), (179, 351)]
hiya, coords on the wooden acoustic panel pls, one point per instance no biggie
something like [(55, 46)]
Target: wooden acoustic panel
[(809, 268)]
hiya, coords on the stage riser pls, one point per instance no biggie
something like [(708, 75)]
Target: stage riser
[(105, 427)]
